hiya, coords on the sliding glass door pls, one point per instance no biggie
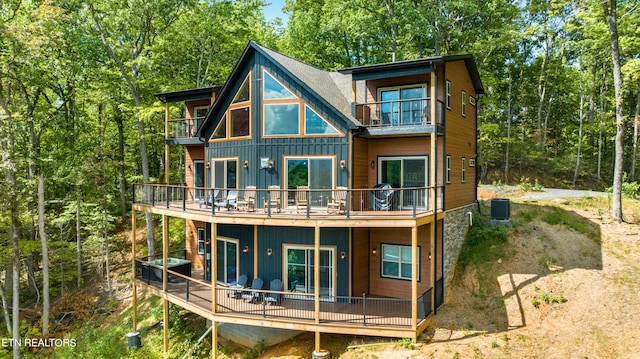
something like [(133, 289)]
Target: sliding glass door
[(406, 172), (300, 265)]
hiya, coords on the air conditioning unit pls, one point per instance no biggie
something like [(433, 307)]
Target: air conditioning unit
[(500, 208)]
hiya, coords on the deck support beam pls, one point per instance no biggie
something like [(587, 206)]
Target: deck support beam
[(316, 281), (165, 302), (167, 148), (434, 192), (214, 339), (414, 277), (134, 291)]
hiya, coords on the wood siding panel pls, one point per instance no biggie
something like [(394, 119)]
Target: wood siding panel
[(406, 146), (361, 161), (460, 135), (397, 288), (361, 257), (191, 243)]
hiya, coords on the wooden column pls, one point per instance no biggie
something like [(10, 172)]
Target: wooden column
[(434, 191), (214, 339), (165, 250), (165, 325), (165, 302), (316, 281), (414, 277), (214, 267), (134, 298)]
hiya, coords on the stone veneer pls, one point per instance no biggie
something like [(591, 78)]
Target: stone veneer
[(456, 226)]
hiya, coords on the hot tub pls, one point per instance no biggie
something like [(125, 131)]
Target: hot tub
[(154, 273)]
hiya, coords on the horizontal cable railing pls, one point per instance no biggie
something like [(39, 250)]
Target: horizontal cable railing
[(411, 112), (361, 311), (184, 127), (310, 202)]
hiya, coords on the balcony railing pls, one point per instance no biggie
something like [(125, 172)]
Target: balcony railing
[(360, 311), (321, 202), (184, 128), (413, 112)]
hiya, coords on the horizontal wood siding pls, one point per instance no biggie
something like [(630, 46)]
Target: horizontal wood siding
[(192, 153), (374, 85), (406, 146), (191, 104), (460, 135), (191, 243), (361, 163), (361, 254), (397, 288)]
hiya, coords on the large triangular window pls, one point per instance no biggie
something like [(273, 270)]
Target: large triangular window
[(236, 121), (314, 124), (285, 114)]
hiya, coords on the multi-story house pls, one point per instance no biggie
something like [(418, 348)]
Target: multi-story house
[(336, 202)]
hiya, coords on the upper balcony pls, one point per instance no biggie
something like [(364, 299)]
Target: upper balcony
[(184, 128), (341, 206), (412, 112)]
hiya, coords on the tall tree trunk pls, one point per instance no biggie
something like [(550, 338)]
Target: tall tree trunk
[(636, 123), (611, 18), (78, 243), (121, 170), (592, 102), (45, 258), (131, 80), (509, 114), (106, 250), (542, 89), (5, 309), (575, 173)]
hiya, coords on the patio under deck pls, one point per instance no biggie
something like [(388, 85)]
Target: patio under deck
[(389, 317)]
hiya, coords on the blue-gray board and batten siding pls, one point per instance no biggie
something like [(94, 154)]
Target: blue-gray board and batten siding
[(255, 148), (274, 238)]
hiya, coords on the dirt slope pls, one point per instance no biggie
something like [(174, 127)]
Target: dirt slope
[(558, 294)]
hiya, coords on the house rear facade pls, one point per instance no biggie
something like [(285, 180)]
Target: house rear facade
[(340, 197)]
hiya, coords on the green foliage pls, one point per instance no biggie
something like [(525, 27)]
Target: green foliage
[(256, 351), (484, 243), (407, 343), (527, 186), (629, 189)]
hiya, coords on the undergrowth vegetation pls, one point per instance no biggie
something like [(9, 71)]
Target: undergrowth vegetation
[(486, 242)]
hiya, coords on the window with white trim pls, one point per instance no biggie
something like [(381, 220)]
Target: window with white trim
[(448, 95), (448, 169), (200, 240), (464, 104), (397, 261), (464, 170)]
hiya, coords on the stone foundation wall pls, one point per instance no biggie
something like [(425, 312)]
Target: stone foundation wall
[(456, 226)]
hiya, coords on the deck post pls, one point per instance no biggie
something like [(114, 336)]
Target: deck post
[(214, 268), (165, 325), (316, 276), (414, 277), (165, 250), (317, 342), (434, 192), (214, 339), (134, 291)]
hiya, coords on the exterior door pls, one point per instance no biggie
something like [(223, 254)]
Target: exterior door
[(407, 172), (198, 179), (299, 264)]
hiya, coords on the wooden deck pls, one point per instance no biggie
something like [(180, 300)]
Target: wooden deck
[(366, 316)]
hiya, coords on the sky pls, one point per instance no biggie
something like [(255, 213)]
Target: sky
[(275, 10)]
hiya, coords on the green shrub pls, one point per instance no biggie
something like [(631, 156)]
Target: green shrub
[(484, 243)]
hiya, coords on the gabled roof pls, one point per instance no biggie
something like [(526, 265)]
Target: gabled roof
[(190, 94), (424, 65), (332, 88)]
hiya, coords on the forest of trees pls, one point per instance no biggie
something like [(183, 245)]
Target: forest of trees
[(79, 123)]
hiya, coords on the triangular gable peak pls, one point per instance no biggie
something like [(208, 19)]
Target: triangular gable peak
[(320, 98)]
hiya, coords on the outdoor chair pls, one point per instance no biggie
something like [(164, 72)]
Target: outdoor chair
[(274, 296), (273, 199), (209, 200), (337, 204), (229, 202), (301, 198), (238, 287), (247, 202), (254, 296)]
